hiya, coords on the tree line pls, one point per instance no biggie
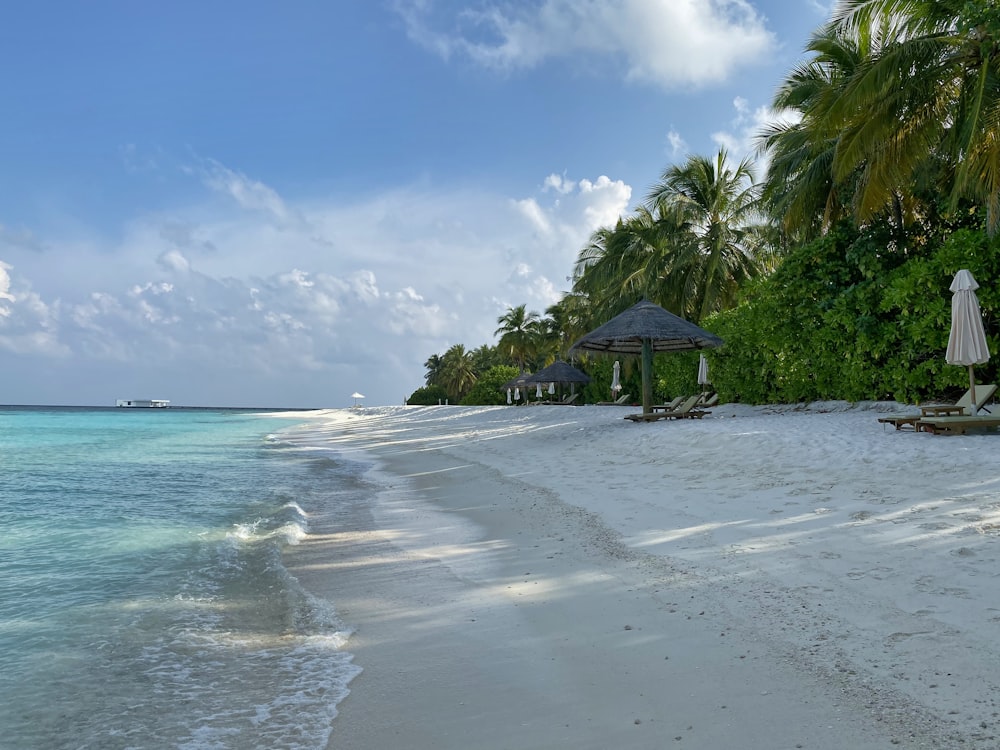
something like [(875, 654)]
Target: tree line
[(828, 274)]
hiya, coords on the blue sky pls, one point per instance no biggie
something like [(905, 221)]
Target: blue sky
[(278, 204)]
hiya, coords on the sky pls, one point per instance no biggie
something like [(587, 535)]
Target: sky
[(280, 204)]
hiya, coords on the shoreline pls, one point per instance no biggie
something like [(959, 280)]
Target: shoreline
[(501, 603)]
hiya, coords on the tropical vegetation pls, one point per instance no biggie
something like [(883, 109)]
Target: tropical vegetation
[(827, 275)]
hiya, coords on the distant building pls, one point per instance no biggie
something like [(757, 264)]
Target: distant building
[(142, 403)]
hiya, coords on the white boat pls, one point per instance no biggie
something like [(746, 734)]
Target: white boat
[(142, 403)]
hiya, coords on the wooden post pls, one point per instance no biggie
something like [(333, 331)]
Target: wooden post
[(647, 376)]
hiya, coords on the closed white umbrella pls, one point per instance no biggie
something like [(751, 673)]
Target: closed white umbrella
[(702, 370), (615, 375), (552, 389), (538, 390), (509, 401), (967, 340), (517, 394)]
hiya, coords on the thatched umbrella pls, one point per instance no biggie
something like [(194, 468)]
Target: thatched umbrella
[(560, 372), (519, 384), (641, 330)]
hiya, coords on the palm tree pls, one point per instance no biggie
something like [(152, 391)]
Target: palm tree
[(719, 206), (564, 322), (642, 256), (457, 372), (434, 365), (518, 330), (930, 90), (799, 187)]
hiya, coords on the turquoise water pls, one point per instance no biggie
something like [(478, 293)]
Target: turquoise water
[(143, 603)]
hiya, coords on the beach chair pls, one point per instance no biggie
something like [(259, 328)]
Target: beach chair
[(708, 400), (956, 425), (567, 399), (623, 399), (961, 408), (670, 406), (687, 409)]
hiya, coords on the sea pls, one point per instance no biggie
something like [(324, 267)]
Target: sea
[(143, 600)]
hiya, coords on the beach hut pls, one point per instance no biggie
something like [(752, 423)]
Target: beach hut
[(641, 330)]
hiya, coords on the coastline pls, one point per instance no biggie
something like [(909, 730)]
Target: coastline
[(520, 583)]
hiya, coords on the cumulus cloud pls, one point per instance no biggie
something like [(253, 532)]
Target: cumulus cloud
[(5, 287), (352, 294), (27, 324), (671, 43)]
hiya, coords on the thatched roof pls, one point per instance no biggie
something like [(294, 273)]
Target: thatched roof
[(625, 333), (559, 372), (519, 382)]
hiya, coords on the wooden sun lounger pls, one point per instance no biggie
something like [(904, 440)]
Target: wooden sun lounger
[(686, 410), (707, 401), (956, 425), (672, 406), (959, 409), (617, 402)]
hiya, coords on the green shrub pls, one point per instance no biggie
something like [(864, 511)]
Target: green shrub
[(844, 317), (430, 395), (487, 389)]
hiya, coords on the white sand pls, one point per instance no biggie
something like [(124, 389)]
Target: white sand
[(558, 577)]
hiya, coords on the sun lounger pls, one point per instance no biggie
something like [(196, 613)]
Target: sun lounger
[(686, 410), (623, 399), (708, 401), (668, 407), (956, 425), (959, 409)]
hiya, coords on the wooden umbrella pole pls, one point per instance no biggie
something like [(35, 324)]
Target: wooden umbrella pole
[(647, 376), (972, 390)]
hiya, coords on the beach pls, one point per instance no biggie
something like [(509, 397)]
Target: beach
[(767, 577)]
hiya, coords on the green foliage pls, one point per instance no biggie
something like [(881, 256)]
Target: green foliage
[(487, 389), (430, 395), (844, 318), (600, 368)]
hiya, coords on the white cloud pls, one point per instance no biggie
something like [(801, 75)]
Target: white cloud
[(352, 294), (27, 324), (678, 146), (5, 287), (533, 213), (248, 193), (746, 126), (559, 183), (672, 43)]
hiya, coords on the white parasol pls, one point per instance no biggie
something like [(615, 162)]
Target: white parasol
[(357, 396), (702, 370), (967, 340), (509, 400), (615, 382)]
